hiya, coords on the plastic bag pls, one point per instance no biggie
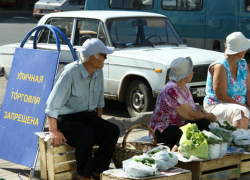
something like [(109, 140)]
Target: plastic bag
[(212, 138), (135, 169), (214, 145), (187, 148), (165, 160), (214, 151), (224, 133), (241, 138), (158, 148), (223, 149)]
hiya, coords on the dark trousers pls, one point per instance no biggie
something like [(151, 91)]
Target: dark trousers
[(172, 134), (84, 129)]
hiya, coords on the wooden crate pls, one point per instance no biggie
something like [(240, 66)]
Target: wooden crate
[(245, 163), (183, 176), (227, 167), (57, 163)]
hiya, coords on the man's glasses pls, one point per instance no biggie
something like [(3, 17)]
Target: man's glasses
[(104, 55)]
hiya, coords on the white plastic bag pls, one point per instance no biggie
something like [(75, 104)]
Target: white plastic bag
[(165, 160), (223, 149), (135, 169), (214, 151), (214, 145), (241, 138), (166, 148)]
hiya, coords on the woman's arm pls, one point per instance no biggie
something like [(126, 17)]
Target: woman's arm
[(220, 84), (187, 112)]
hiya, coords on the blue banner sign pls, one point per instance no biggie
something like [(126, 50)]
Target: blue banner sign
[(30, 83)]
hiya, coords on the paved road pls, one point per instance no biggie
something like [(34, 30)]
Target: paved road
[(13, 28)]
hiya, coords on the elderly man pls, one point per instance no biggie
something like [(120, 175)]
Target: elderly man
[(74, 110)]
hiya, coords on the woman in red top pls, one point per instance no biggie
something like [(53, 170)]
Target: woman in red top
[(175, 106)]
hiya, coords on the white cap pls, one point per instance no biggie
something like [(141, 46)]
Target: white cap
[(94, 46), (180, 68), (236, 42)]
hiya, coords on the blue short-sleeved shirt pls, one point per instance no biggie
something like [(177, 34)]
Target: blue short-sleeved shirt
[(75, 91), (236, 88)]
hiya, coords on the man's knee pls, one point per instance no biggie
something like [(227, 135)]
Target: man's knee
[(115, 130)]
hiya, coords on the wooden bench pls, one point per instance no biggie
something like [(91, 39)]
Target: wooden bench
[(57, 163), (183, 176)]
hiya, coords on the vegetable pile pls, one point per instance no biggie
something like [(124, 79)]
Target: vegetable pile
[(213, 141), (226, 126), (193, 142), (153, 152), (195, 136), (223, 130), (146, 161)]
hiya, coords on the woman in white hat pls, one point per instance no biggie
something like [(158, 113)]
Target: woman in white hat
[(228, 83), (175, 106)]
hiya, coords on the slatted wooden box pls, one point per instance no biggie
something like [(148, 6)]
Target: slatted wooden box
[(183, 176), (245, 163), (228, 167), (57, 163)]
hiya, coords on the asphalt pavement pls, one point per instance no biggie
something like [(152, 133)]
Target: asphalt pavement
[(14, 27)]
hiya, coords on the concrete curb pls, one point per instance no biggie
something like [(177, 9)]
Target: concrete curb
[(16, 12), (127, 123), (123, 124)]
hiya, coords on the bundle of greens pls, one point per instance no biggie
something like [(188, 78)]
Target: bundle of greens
[(195, 136), (226, 125), (193, 142), (213, 139)]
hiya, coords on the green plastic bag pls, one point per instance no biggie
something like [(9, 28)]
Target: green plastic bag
[(187, 148)]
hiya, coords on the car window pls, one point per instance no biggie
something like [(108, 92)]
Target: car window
[(182, 5), (88, 28), (247, 5), (131, 4), (142, 32), (65, 25), (77, 2)]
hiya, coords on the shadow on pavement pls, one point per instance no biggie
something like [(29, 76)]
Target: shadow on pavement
[(23, 172)]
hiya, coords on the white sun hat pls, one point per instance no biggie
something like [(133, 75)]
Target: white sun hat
[(180, 68), (236, 42)]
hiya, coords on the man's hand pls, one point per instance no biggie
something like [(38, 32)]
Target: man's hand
[(211, 117), (56, 138)]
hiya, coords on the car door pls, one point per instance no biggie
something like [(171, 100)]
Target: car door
[(244, 17), (222, 19)]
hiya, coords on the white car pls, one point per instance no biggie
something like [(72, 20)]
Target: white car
[(145, 44)]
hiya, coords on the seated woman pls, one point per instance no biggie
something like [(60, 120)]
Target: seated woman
[(228, 83), (175, 106)]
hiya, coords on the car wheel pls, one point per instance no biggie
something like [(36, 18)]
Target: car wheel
[(139, 97)]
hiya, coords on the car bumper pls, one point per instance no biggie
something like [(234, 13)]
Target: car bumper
[(38, 16)]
